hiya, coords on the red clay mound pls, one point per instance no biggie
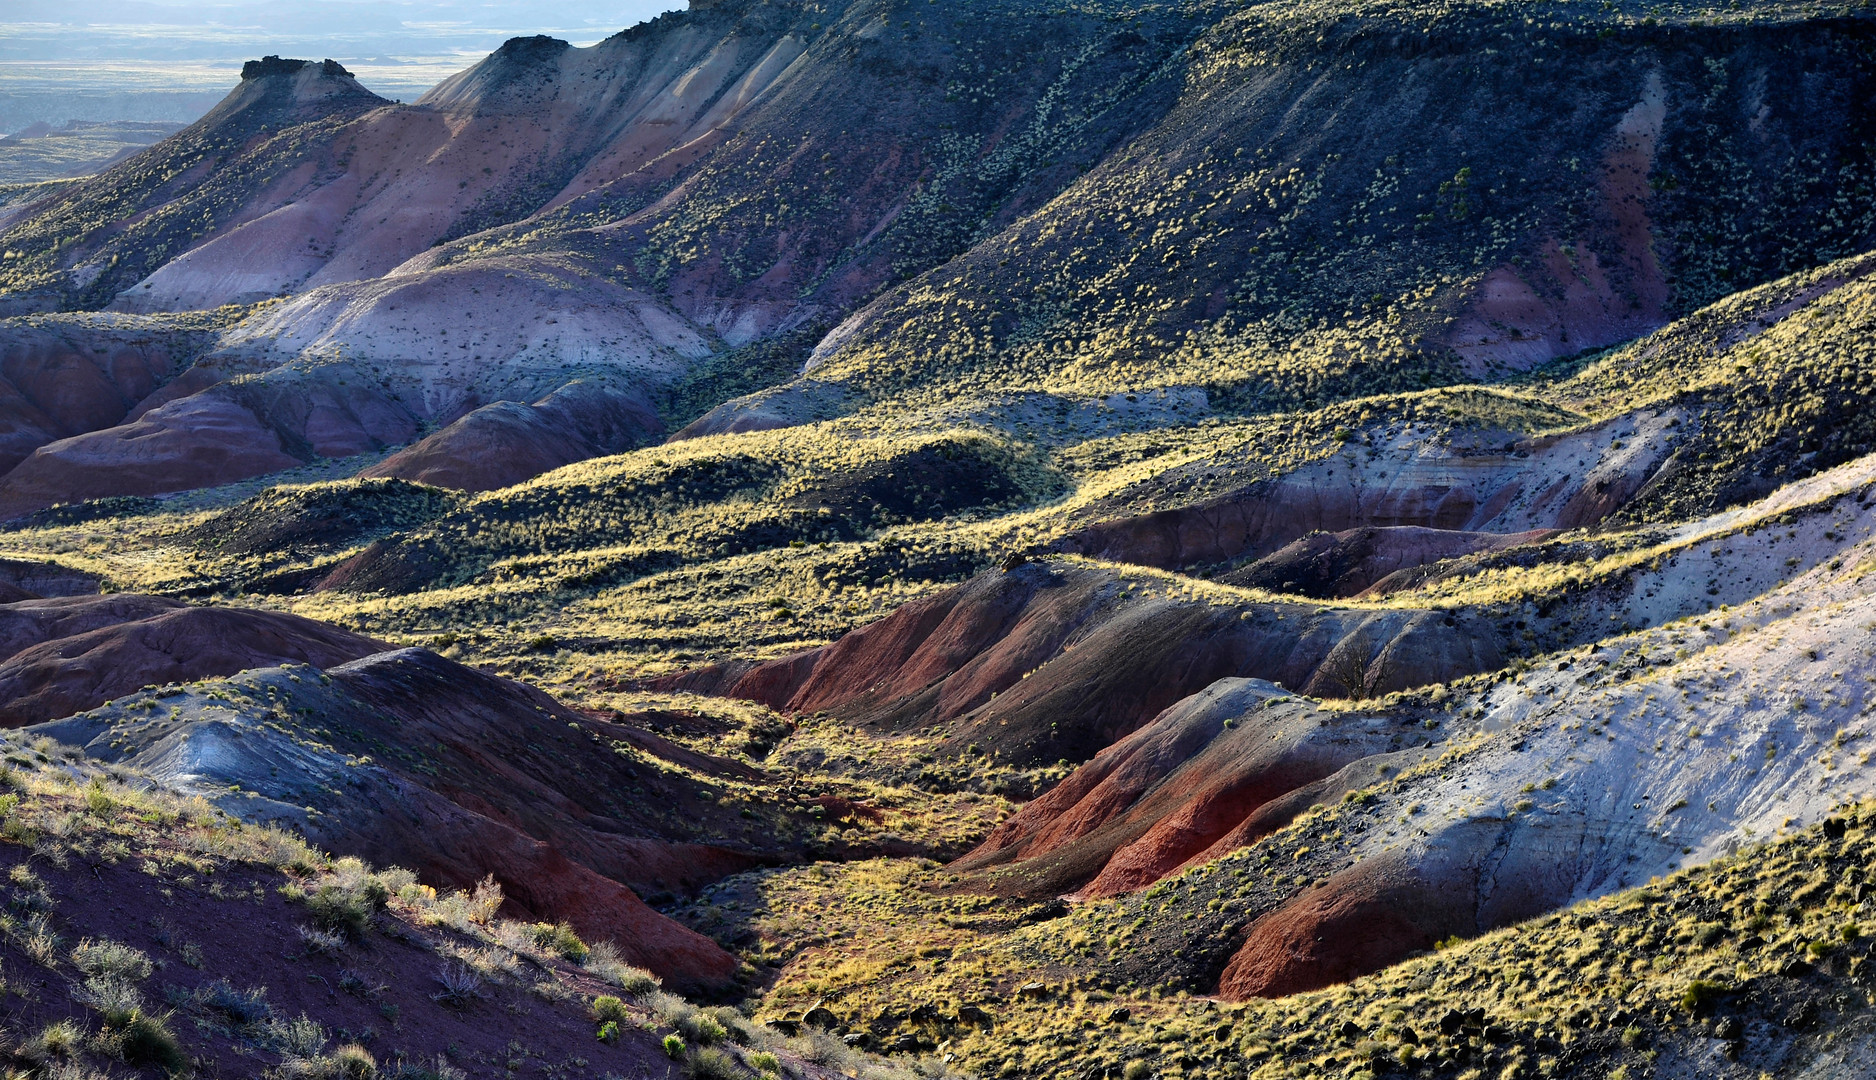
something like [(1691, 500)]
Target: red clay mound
[(241, 937), (220, 434), (1214, 772), (1466, 878), (507, 442), (506, 750), (407, 758), (198, 441), (149, 641), (61, 378), (451, 846), (1362, 920), (27, 623), (1347, 563), (1052, 661)]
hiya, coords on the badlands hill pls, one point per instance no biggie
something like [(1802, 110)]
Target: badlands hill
[(1288, 539), (885, 203)]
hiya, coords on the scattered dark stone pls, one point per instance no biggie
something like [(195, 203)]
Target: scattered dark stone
[(1349, 1030), (790, 1028), (1798, 969), (925, 1014), (1054, 909), (971, 1014), (821, 1017)]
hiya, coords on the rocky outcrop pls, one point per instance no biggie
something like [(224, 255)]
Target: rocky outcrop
[(274, 66)]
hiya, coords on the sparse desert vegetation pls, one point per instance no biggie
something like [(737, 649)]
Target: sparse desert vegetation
[(918, 539)]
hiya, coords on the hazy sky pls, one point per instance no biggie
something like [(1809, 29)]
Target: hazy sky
[(236, 29)]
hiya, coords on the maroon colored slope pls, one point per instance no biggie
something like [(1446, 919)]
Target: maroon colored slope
[(1213, 773), (1057, 661), (1348, 563), (93, 649), (63, 377), (487, 776), (504, 443)]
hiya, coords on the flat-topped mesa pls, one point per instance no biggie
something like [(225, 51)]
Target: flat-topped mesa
[(274, 65), (276, 92)]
